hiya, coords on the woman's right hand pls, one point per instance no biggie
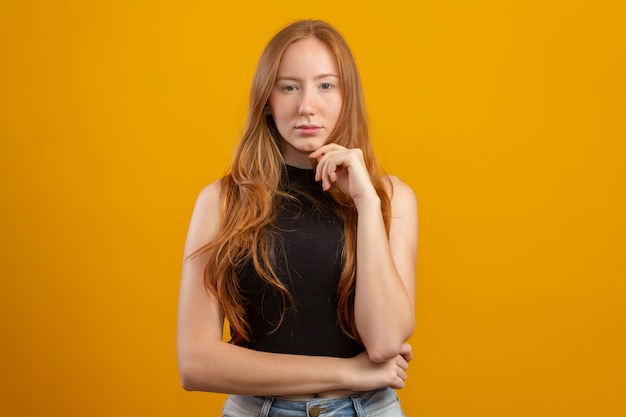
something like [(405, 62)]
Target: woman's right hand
[(367, 375)]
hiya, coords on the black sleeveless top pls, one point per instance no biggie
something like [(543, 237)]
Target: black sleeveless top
[(308, 262)]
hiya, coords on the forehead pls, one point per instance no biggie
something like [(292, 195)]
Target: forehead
[(308, 56)]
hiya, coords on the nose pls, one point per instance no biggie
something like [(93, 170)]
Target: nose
[(308, 103)]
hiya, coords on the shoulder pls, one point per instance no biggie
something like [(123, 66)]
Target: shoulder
[(210, 196), (402, 195), (205, 220)]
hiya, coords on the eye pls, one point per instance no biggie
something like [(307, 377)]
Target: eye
[(288, 88), (326, 86)]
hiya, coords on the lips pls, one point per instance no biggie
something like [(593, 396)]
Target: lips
[(308, 129)]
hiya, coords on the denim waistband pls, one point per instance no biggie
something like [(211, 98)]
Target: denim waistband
[(381, 402)]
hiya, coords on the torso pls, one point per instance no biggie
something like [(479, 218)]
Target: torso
[(328, 394), (311, 235)]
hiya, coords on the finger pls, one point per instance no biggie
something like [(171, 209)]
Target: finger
[(407, 352), (333, 172), (319, 152), (402, 363), (321, 168), (399, 382), (328, 173)]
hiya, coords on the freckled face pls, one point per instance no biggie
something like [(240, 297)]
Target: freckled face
[(306, 99)]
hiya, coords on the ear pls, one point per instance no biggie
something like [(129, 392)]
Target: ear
[(267, 110)]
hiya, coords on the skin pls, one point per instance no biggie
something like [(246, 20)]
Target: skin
[(306, 99), (307, 93)]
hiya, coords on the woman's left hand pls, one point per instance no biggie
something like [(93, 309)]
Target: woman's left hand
[(346, 167)]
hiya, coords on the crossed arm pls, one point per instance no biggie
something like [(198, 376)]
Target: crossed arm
[(384, 297)]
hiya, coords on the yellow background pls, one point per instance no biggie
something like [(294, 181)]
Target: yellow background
[(507, 119)]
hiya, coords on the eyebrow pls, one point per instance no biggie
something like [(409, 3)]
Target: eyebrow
[(317, 77)]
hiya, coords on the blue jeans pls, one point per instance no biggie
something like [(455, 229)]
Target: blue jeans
[(382, 402)]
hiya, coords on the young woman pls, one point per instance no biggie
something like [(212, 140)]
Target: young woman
[(304, 248)]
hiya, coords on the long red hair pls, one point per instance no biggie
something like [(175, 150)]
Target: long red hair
[(251, 191)]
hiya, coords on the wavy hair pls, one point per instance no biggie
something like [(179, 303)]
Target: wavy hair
[(251, 191)]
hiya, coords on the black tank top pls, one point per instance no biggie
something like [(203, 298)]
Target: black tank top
[(308, 262)]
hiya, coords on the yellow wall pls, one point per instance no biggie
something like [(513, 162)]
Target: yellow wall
[(507, 118)]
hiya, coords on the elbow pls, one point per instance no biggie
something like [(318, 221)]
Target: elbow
[(199, 371), (383, 353), (188, 381), (191, 378), (187, 384), (386, 348)]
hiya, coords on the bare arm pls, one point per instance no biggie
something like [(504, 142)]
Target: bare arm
[(385, 284), (206, 363)]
